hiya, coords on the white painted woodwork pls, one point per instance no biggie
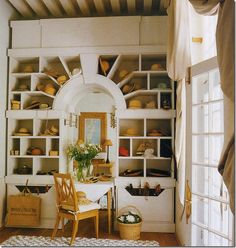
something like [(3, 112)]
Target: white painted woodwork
[(99, 7), (23, 9), (157, 27), (48, 33), (131, 5), (53, 8), (156, 215), (38, 8), (68, 49), (84, 8), (115, 5), (75, 32), (68, 7), (89, 63), (26, 34)]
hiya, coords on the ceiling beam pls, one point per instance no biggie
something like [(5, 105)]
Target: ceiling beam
[(147, 6), (99, 7), (115, 5), (131, 6), (38, 8), (68, 7), (83, 5), (22, 8), (53, 8)]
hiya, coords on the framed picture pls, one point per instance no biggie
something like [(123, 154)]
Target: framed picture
[(93, 128)]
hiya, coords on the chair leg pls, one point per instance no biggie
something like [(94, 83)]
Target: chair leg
[(62, 225), (56, 226), (74, 231), (96, 224)]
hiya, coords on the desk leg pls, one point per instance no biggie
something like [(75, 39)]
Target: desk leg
[(109, 210)]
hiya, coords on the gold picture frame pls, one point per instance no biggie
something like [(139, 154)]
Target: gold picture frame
[(93, 128)]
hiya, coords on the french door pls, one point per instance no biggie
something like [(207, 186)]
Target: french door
[(212, 219)]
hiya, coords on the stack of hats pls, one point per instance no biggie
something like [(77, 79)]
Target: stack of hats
[(135, 104), (22, 132), (52, 131), (48, 88), (15, 104), (123, 151)]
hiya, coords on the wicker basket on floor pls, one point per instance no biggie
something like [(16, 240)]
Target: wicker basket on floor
[(129, 231)]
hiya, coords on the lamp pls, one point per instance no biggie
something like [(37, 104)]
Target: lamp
[(107, 143)]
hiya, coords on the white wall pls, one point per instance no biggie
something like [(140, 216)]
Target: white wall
[(6, 13), (100, 102)]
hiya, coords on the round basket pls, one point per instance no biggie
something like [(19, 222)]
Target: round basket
[(129, 231)]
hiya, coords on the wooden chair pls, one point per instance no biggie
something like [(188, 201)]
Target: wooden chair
[(68, 207)]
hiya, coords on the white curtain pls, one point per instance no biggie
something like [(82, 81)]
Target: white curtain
[(178, 60), (225, 55)]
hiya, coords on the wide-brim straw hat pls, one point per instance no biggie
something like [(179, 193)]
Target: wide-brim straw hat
[(82, 199), (131, 132), (135, 104)]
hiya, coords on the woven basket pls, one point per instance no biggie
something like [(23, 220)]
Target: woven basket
[(129, 231)]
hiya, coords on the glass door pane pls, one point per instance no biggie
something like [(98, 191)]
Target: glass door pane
[(200, 149), (199, 236), (200, 89), (200, 210), (200, 179), (200, 119)]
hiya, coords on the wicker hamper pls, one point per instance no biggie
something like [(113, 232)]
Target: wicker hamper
[(129, 231)]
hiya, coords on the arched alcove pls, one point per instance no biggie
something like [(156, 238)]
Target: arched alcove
[(75, 89), (99, 95)]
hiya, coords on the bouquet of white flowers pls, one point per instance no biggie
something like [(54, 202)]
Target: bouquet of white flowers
[(129, 218), (83, 153)]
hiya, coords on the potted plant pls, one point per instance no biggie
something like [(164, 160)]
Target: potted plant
[(83, 153), (129, 222)]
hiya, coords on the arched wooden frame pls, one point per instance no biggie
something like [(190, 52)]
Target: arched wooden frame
[(101, 118)]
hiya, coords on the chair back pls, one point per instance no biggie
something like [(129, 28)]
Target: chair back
[(65, 192)]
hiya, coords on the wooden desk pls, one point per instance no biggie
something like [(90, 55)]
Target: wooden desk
[(99, 169), (94, 191)]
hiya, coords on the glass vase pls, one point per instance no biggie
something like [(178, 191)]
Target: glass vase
[(89, 167), (81, 171)]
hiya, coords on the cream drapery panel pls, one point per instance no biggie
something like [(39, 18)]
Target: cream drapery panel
[(178, 60), (225, 55)]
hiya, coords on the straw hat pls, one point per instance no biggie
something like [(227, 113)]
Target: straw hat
[(22, 87), (104, 65), (150, 105), (128, 88), (76, 71), (22, 132), (135, 104), (82, 199), (157, 67), (123, 73), (53, 130), (50, 89), (155, 132), (33, 105), (61, 79), (28, 69), (131, 132)]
